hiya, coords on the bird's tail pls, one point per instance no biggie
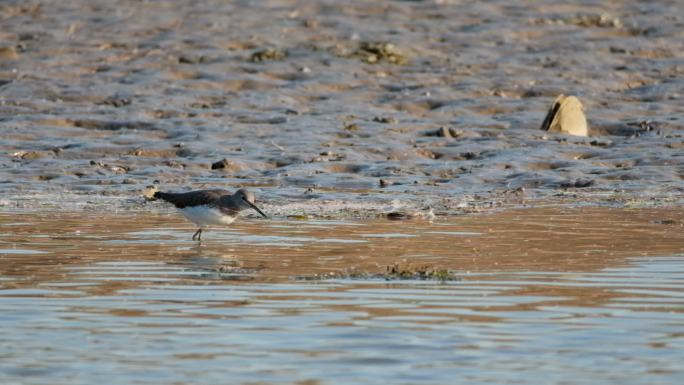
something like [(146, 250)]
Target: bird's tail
[(162, 195), (151, 193)]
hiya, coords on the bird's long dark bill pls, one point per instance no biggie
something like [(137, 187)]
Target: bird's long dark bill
[(256, 208)]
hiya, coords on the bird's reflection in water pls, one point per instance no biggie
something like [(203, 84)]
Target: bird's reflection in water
[(216, 264)]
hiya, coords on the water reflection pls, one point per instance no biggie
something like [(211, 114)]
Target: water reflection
[(543, 295)]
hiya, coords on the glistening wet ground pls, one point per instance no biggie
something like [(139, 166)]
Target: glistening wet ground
[(534, 296), (104, 97)]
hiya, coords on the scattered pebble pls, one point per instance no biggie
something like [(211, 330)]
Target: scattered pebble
[(351, 127), (187, 59), (227, 165), (32, 155), (175, 164), (578, 183), (268, 55), (410, 215), (444, 132), (376, 52), (585, 20), (386, 120), (111, 167), (245, 119), (116, 102)]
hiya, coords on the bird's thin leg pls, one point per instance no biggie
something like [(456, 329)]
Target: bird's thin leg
[(198, 235)]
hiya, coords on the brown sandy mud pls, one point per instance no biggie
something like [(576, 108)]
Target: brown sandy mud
[(332, 104)]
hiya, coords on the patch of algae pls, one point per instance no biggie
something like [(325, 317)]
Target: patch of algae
[(395, 272)]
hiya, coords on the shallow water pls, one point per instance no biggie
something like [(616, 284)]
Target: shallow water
[(539, 296)]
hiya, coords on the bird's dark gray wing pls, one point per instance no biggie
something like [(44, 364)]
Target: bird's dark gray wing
[(192, 198), (228, 205)]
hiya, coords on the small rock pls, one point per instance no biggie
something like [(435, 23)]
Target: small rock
[(578, 183), (261, 120), (32, 155), (427, 153), (380, 119), (332, 156), (518, 191), (566, 116), (468, 155), (284, 161), (351, 127), (399, 216), (117, 169), (584, 20), (94, 124), (111, 167), (602, 21), (186, 59), (153, 153), (116, 102), (268, 55), (444, 132), (374, 52), (227, 165), (311, 23), (602, 143), (175, 164)]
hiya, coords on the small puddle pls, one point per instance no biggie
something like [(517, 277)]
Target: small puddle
[(84, 295)]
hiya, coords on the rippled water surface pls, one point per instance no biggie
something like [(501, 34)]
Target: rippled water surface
[(536, 296)]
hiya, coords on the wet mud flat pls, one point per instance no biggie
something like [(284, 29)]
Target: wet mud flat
[(531, 296), (332, 112), (332, 105)]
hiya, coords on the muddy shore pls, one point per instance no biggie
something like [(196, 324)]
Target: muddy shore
[(333, 108)]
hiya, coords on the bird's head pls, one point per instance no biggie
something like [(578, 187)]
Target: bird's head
[(247, 200)]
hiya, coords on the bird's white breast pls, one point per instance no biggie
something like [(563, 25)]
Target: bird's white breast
[(206, 216)]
